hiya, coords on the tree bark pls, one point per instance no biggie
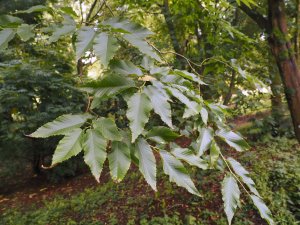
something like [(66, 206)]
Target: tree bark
[(230, 90), (176, 46), (282, 51), (297, 34), (276, 27), (277, 110)]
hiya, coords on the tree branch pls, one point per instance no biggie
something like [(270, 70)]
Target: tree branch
[(259, 19)]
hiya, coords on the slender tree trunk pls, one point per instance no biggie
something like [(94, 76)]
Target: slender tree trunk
[(277, 109), (171, 27), (285, 59), (230, 90)]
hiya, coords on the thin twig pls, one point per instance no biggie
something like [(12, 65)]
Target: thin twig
[(110, 10)]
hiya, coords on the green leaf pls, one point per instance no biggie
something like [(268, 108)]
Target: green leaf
[(263, 209), (68, 26), (147, 63), (84, 41), (94, 146), (108, 86), (36, 8), (162, 132), (69, 11), (126, 68), (204, 115), (233, 139), (189, 76), (108, 129), (231, 196), (105, 47), (25, 32), (147, 163), (193, 107), (244, 174), (8, 21), (122, 25), (159, 100), (142, 45), (138, 113), (69, 146), (60, 125), (5, 36), (204, 140), (119, 160), (214, 153), (188, 156), (177, 172)]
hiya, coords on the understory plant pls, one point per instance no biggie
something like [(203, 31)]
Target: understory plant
[(159, 114)]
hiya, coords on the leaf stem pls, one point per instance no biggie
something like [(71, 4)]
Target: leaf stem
[(230, 170)]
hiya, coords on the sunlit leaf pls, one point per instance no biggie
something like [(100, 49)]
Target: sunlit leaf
[(105, 47), (139, 107), (60, 125), (231, 196), (94, 146), (159, 100), (69, 146), (119, 160), (147, 163), (263, 209), (188, 156), (244, 174), (177, 172)]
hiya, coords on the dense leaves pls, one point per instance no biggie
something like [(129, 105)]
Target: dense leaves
[(150, 91)]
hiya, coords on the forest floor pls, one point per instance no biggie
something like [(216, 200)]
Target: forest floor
[(81, 200)]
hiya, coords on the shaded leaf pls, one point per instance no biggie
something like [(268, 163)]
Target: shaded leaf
[(126, 68), (193, 107), (214, 153), (68, 26), (25, 32), (5, 36), (142, 45), (8, 21), (36, 8), (162, 132), (84, 41), (108, 128), (233, 139), (189, 76)]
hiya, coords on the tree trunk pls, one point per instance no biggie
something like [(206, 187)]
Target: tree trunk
[(231, 87), (277, 110), (176, 46), (297, 34), (285, 59)]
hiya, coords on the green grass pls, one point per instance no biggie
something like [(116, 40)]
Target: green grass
[(274, 165)]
